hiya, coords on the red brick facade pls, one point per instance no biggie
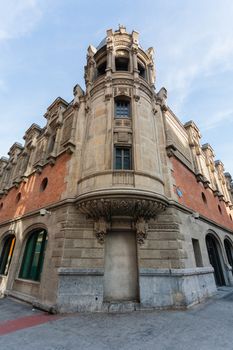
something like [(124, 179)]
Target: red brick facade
[(31, 195), (191, 197)]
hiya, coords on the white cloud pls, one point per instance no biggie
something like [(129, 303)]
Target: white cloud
[(18, 18), (197, 45), (216, 119), (215, 58)]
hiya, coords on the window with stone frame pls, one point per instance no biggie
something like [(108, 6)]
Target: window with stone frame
[(122, 107), (101, 66), (142, 70), (51, 143), (67, 128), (122, 60), (123, 159)]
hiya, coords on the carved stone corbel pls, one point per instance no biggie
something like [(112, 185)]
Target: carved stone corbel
[(69, 147), (108, 92), (136, 93), (51, 159), (141, 230), (38, 168), (78, 93), (24, 178), (100, 227), (171, 148), (162, 98), (16, 183)]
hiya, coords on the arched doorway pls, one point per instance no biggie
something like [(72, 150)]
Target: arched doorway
[(229, 252), (215, 259)]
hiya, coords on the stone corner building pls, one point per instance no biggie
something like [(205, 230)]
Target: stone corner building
[(114, 203)]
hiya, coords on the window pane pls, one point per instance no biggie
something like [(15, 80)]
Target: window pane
[(36, 256), (28, 254), (122, 158), (42, 252), (118, 164), (122, 109), (33, 256), (126, 158), (122, 63)]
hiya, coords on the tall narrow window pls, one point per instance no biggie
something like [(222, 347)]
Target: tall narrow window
[(123, 158), (122, 60), (34, 255), (122, 108), (51, 143), (101, 68), (142, 71), (6, 256)]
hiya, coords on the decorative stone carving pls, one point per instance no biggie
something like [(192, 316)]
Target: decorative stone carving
[(67, 129), (108, 92), (51, 159), (78, 93), (171, 148), (100, 227), (122, 90), (141, 227), (126, 205), (38, 168), (16, 183), (122, 81), (201, 178), (162, 98)]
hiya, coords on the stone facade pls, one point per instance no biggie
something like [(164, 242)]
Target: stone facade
[(135, 211)]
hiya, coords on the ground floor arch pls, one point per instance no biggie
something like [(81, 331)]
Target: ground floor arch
[(215, 257), (229, 251)]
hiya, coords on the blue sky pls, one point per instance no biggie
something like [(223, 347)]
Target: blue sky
[(43, 50)]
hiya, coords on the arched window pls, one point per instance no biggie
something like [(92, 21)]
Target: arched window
[(101, 68), (229, 251), (142, 70), (6, 255), (122, 60), (44, 184), (215, 257), (51, 143), (203, 197), (34, 255)]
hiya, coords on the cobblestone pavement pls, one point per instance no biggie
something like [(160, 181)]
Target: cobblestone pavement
[(206, 326)]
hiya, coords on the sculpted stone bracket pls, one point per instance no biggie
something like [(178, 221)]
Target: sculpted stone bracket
[(139, 210), (171, 148), (203, 179), (141, 227), (100, 227)]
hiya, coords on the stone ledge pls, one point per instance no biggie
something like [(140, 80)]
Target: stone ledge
[(176, 272), (62, 271), (31, 300)]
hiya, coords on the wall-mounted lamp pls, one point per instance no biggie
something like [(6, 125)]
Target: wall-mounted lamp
[(195, 215), (43, 212)]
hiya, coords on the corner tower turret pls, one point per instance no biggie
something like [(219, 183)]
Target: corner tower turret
[(124, 142)]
